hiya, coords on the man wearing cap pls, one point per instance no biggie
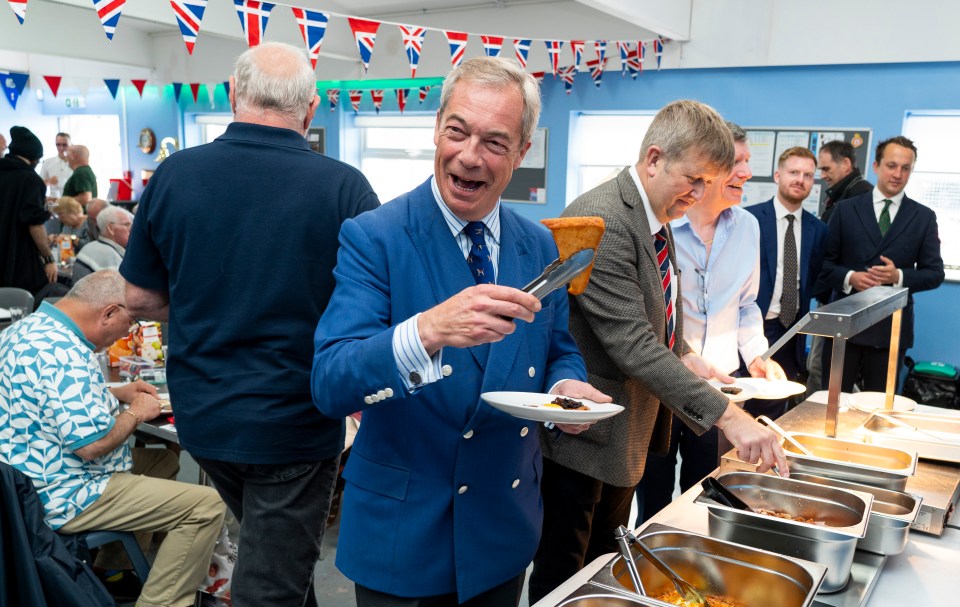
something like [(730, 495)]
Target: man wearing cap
[(25, 258)]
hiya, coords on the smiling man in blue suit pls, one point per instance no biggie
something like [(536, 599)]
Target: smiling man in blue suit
[(791, 254), (442, 501)]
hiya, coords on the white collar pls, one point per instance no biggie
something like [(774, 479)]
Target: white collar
[(655, 224), (782, 211), (878, 197)]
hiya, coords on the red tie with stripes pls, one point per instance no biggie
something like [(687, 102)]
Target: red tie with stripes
[(663, 258)]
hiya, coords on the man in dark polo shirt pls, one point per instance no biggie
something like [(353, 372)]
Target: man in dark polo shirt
[(243, 298), (82, 185)]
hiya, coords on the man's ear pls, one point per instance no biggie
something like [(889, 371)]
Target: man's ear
[(232, 95), (650, 160)]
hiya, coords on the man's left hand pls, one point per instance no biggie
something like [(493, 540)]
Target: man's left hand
[(766, 368), (886, 273), (579, 389), (127, 392), (703, 368)]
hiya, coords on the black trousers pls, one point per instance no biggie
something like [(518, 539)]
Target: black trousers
[(504, 595), (864, 364), (580, 516), (282, 510)]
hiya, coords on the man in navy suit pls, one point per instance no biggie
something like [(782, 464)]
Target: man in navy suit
[(791, 253), (881, 238), (442, 501)]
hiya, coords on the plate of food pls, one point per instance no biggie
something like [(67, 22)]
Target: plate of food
[(550, 407), (737, 392), (773, 389)]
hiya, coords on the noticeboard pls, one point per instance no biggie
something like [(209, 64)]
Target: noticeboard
[(767, 143), (529, 182), (317, 139)]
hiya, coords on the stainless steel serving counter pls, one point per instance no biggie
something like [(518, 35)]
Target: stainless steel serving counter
[(925, 573)]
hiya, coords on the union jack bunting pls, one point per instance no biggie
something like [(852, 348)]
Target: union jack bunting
[(492, 45), (355, 97), (402, 98), (521, 48), (658, 50), (567, 74), (458, 44), (424, 90), (54, 83), (538, 76), (600, 47), (189, 15), (413, 45), (365, 33), (553, 48), (112, 85), (139, 84), (19, 9), (377, 96), (253, 19), (313, 25), (333, 97), (633, 61), (624, 48), (642, 52), (109, 13), (576, 46), (596, 70)]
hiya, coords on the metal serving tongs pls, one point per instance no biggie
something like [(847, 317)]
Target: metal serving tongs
[(559, 273), (690, 595), (766, 421)]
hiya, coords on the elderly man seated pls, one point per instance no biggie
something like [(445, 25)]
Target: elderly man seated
[(61, 426), (93, 211), (106, 252)]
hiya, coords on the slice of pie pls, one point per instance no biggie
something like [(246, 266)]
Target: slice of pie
[(574, 234)]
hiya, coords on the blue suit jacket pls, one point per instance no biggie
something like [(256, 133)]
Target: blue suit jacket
[(912, 243), (443, 491), (813, 234)]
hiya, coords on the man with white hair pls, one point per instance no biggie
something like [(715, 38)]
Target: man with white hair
[(243, 310), (67, 431), (106, 252)]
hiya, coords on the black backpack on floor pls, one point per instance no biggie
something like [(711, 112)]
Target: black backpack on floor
[(932, 383)]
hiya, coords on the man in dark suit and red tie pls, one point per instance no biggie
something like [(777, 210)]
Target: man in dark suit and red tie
[(881, 238), (791, 252)]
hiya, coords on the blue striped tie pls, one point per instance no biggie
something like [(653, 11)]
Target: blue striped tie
[(479, 260), (663, 258)]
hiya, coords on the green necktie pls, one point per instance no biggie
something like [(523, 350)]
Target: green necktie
[(884, 220)]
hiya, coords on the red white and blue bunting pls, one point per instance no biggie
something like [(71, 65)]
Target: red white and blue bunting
[(313, 25), (365, 33), (413, 45), (253, 19), (109, 13), (189, 15), (19, 9), (458, 45)]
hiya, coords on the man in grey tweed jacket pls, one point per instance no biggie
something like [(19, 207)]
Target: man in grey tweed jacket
[(620, 324)]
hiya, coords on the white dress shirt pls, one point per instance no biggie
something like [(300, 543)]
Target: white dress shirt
[(656, 226), (878, 203), (59, 168), (781, 212)]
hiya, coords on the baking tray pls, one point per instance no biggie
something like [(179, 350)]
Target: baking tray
[(936, 437), (857, 462)]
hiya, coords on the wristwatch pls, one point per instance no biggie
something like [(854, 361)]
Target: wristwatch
[(46, 259)]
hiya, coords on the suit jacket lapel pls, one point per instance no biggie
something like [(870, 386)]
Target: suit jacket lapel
[(631, 197), (806, 249), (443, 262), (864, 210), (768, 225), (905, 214)]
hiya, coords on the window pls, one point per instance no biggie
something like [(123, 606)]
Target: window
[(601, 145), (395, 152), (935, 181), (212, 126), (101, 135)]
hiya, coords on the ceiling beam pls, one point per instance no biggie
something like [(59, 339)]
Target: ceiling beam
[(668, 19)]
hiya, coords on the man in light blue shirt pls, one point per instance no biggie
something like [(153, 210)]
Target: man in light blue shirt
[(718, 253)]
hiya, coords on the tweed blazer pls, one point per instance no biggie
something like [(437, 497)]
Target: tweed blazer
[(619, 322)]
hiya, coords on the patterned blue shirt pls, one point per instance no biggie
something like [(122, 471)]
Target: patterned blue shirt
[(53, 401)]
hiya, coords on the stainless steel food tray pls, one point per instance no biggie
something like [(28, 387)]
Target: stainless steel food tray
[(857, 462), (936, 437), (891, 515), (845, 514)]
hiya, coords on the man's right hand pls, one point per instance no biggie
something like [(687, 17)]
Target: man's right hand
[(476, 315), (753, 442), (861, 281), (50, 269)]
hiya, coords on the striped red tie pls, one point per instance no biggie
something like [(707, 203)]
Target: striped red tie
[(663, 258)]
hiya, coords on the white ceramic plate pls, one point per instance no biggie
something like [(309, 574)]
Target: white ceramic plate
[(773, 389), (876, 400), (530, 405), (746, 390)]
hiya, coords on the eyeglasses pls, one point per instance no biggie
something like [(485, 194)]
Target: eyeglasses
[(135, 321), (703, 298)]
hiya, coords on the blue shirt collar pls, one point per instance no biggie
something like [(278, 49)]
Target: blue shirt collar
[(456, 225), (58, 315)]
